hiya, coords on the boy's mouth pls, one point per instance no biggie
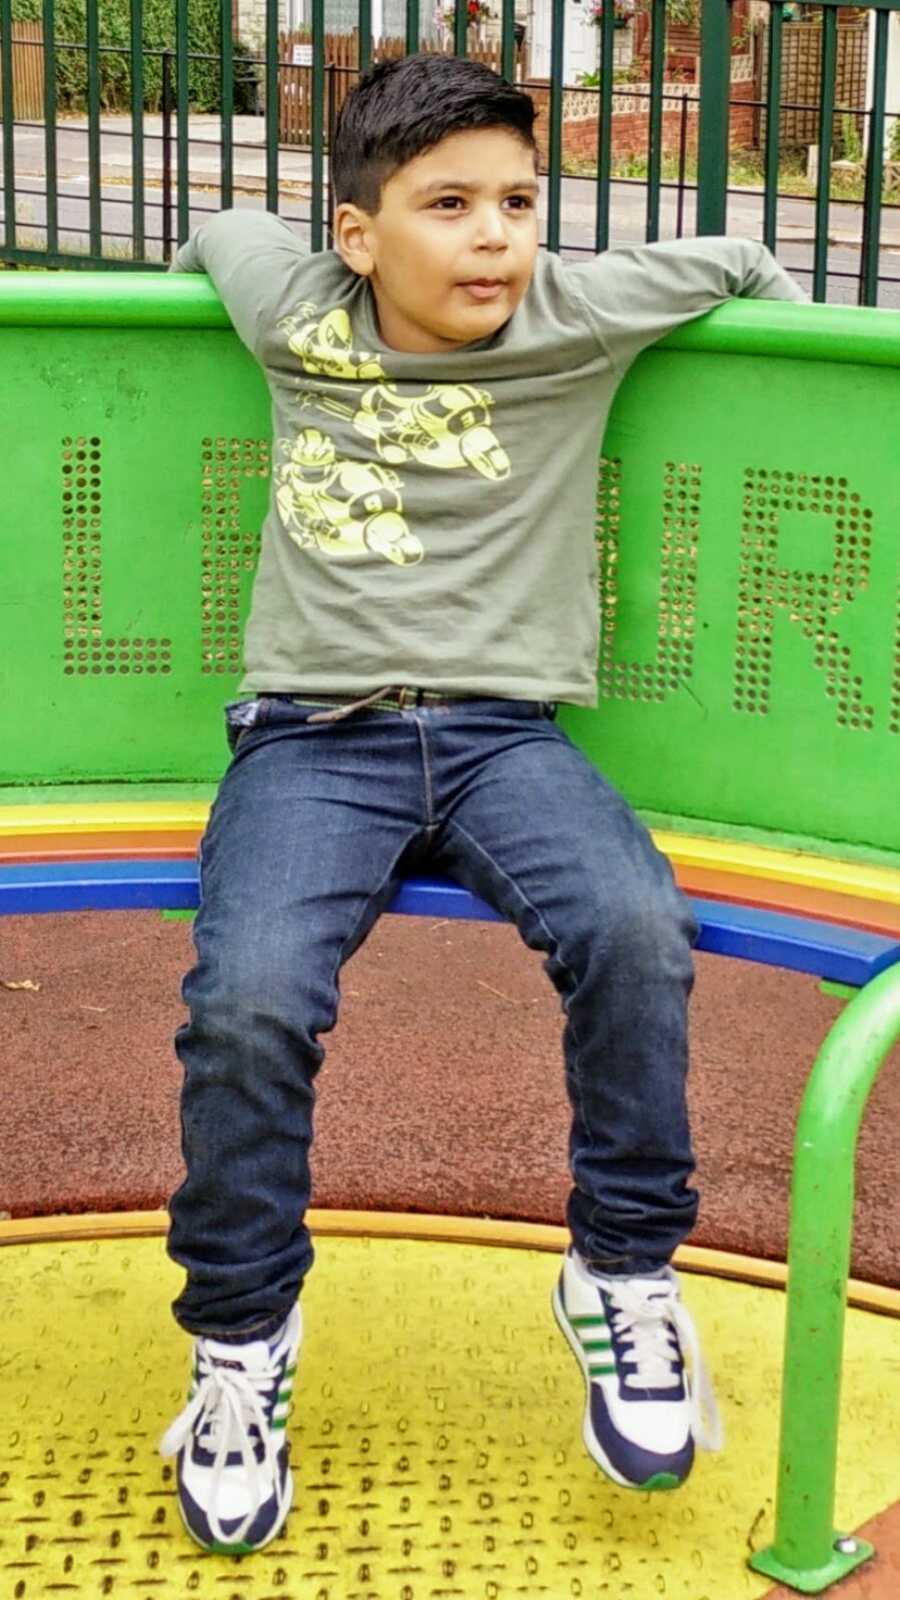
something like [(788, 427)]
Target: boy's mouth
[(484, 288)]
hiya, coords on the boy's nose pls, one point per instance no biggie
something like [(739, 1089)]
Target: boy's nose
[(490, 231)]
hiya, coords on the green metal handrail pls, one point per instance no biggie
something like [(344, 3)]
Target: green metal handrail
[(807, 1552)]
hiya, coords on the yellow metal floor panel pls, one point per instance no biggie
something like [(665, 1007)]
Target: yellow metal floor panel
[(435, 1439)]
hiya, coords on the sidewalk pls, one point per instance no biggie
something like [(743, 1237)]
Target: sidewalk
[(796, 216)]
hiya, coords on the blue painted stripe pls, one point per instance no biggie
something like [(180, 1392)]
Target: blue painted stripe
[(778, 939), (827, 950)]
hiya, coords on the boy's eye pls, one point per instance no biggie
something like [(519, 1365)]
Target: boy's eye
[(519, 202)]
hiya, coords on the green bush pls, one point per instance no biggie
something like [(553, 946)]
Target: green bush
[(159, 34), (850, 139)]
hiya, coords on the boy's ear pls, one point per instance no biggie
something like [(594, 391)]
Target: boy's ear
[(351, 238)]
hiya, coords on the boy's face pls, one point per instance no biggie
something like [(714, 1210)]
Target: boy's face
[(451, 250)]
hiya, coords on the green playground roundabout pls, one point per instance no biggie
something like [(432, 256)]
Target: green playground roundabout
[(436, 1436)]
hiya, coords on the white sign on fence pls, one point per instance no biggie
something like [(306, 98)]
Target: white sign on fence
[(301, 55)]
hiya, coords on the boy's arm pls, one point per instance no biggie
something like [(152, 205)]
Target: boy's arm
[(247, 254), (634, 294)]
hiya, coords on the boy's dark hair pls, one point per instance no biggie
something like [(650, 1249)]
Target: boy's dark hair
[(401, 108)]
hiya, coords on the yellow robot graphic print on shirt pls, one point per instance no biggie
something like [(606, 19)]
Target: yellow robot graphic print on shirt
[(342, 507), (349, 507), (325, 346), (448, 426)]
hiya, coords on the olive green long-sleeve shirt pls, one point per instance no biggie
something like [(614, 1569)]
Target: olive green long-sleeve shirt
[(432, 516)]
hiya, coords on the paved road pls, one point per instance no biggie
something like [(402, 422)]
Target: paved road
[(796, 218)]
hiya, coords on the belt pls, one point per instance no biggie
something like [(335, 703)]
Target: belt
[(387, 699)]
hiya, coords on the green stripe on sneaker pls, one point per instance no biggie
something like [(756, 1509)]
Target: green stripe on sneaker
[(588, 1322), (601, 1372), (596, 1344), (278, 1422)]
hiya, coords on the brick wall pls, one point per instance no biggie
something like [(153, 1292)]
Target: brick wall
[(630, 124)]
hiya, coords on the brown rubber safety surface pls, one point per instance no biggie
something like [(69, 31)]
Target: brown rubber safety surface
[(442, 1090)]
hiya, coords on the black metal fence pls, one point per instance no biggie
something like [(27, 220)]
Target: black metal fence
[(120, 190)]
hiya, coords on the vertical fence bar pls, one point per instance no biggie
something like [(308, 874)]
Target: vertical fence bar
[(317, 132), (868, 274), (50, 163), (806, 1552), (273, 105), (413, 26), (168, 57), (604, 128), (365, 35), (331, 104), (226, 108), (826, 136), (461, 28), (183, 119), (9, 154), (773, 126), (138, 243), (508, 40), (682, 163), (715, 87), (557, 40), (655, 123), (95, 223)]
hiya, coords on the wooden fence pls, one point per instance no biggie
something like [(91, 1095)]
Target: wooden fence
[(801, 78), (28, 72), (341, 73)]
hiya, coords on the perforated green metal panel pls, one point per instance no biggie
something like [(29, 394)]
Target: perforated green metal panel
[(140, 482), (747, 526), (748, 533)]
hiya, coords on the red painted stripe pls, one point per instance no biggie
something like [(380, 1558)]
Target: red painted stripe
[(823, 905), (98, 846), (53, 857)]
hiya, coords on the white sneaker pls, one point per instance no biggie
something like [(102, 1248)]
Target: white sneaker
[(234, 1482), (644, 1411)]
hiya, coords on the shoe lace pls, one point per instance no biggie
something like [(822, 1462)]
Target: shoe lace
[(653, 1320), (227, 1404)]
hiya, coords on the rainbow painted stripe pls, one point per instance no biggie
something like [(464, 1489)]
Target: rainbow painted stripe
[(838, 918)]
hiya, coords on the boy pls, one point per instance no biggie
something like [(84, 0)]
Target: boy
[(426, 594)]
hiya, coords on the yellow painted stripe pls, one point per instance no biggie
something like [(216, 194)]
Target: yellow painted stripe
[(153, 816), (685, 850), (439, 1230), (784, 866)]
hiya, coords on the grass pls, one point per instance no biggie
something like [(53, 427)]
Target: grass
[(746, 171)]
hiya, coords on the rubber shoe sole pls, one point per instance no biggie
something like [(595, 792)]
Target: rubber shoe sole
[(659, 1480)]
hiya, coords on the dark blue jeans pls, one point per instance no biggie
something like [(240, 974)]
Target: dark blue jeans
[(312, 826)]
